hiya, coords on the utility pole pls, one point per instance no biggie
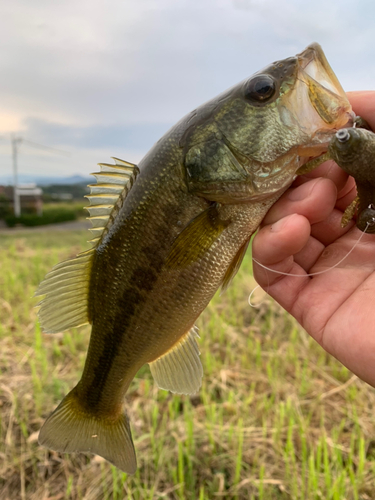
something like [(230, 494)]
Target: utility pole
[(16, 196), (16, 141)]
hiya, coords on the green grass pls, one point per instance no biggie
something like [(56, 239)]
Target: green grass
[(276, 418), (52, 213)]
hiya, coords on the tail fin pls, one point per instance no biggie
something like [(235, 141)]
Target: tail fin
[(70, 429)]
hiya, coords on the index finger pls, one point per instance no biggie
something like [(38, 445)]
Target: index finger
[(328, 170)]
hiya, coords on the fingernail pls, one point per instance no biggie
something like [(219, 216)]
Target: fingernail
[(304, 191)]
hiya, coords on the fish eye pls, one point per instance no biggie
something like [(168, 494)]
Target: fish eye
[(260, 88)]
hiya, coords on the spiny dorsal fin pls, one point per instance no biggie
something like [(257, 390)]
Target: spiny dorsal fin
[(107, 196), (66, 287)]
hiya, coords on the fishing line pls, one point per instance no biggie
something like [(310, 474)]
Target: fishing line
[(254, 306), (309, 274)]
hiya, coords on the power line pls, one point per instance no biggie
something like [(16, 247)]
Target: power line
[(37, 145), (46, 148)]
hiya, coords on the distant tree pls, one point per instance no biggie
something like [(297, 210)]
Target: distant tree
[(77, 191), (5, 206)]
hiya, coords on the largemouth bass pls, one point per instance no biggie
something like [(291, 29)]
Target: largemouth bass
[(171, 231)]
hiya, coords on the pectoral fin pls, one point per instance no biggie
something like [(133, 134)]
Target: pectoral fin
[(180, 369), (312, 164), (234, 266), (197, 237)]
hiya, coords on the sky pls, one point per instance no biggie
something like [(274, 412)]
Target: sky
[(94, 79)]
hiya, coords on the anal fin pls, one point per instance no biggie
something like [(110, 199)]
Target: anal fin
[(180, 369)]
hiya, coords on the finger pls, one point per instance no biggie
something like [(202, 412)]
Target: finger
[(322, 234), (363, 104), (309, 254), (330, 229), (275, 244), (328, 170), (346, 195), (312, 300), (356, 248), (349, 262), (314, 200)]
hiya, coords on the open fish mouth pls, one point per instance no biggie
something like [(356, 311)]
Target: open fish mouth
[(318, 101), (324, 89), (325, 92)]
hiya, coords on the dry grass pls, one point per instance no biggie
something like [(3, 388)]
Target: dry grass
[(276, 417)]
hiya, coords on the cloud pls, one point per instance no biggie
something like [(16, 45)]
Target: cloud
[(95, 75), (134, 136)]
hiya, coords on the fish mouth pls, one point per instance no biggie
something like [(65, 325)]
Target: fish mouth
[(325, 91), (318, 102)]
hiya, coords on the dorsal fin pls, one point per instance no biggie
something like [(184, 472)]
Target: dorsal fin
[(107, 196), (66, 287)]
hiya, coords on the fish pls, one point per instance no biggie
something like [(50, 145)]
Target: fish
[(172, 230), (353, 149)]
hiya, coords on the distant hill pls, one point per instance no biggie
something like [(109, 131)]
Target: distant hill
[(45, 181)]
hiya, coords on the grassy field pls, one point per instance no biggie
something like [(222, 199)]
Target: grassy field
[(276, 417), (52, 213)]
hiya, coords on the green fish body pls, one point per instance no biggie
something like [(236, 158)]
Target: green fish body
[(170, 232)]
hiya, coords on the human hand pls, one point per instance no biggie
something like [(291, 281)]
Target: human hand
[(301, 234)]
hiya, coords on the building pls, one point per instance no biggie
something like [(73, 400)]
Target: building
[(30, 197)]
